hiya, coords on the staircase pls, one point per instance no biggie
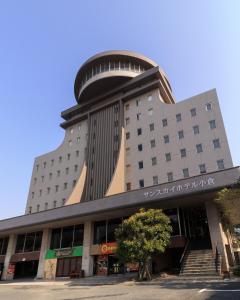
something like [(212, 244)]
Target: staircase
[(199, 263)]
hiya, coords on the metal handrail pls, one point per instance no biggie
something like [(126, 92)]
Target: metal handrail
[(184, 252)]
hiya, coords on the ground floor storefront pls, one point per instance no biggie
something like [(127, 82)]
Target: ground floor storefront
[(65, 242)]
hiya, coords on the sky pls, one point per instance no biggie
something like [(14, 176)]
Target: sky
[(43, 44)]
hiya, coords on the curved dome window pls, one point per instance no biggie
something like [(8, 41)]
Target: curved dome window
[(111, 66)]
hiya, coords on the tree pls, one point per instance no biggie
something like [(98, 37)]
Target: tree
[(228, 201), (145, 233)]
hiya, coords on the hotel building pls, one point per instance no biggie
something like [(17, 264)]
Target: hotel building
[(127, 145)]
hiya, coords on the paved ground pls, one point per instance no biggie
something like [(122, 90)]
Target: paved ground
[(120, 289)]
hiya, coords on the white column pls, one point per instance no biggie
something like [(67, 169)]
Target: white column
[(87, 259), (44, 247), (10, 251), (217, 234)]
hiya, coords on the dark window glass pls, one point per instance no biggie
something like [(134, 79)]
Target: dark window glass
[(141, 183), (140, 164), (38, 241), (173, 215), (78, 235), (67, 237), (139, 131), (4, 246), (29, 242), (112, 225), (55, 240), (20, 243), (140, 147), (100, 232)]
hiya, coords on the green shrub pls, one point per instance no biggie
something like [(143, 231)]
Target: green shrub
[(236, 271)]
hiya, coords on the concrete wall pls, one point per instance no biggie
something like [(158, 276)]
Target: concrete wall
[(160, 111), (75, 140)]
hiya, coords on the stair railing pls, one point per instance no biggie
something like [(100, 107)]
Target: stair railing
[(184, 253)]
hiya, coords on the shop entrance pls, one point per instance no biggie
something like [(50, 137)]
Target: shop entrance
[(26, 269), (67, 265), (197, 229)]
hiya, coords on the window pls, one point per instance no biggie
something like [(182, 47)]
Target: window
[(128, 167), (42, 178), (141, 183), (193, 112), (65, 185), (74, 183), (100, 230), (112, 225), (50, 176), (127, 135), (138, 116), (71, 130), (196, 129), (216, 144), (164, 122), (29, 211), (75, 168), (56, 188), (138, 102), (28, 242), (3, 245), (32, 195), (166, 139), (178, 117), (38, 207), (128, 186), (67, 171), (180, 134), (183, 153), (140, 147), (199, 148), (150, 111), (63, 201), (127, 107), (127, 121), (151, 126), (48, 190), (212, 124), (58, 173), (155, 180), (208, 106), (34, 180), (46, 206), (44, 165), (60, 159), (140, 165), (54, 204), (37, 167), (152, 143), (127, 150), (139, 131), (185, 173), (220, 164), (202, 169), (150, 98), (70, 143), (77, 153), (170, 176), (78, 139), (40, 193), (154, 161), (168, 156), (52, 162), (68, 156)]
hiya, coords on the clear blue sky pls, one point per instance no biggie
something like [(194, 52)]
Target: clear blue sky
[(43, 43)]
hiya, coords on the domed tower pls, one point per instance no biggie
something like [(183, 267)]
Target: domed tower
[(102, 85)]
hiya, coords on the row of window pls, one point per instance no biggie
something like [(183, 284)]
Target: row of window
[(183, 152), (193, 111), (58, 173), (29, 242), (67, 237), (185, 172), (180, 134), (46, 206), (60, 159), (48, 190), (3, 245), (111, 66)]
